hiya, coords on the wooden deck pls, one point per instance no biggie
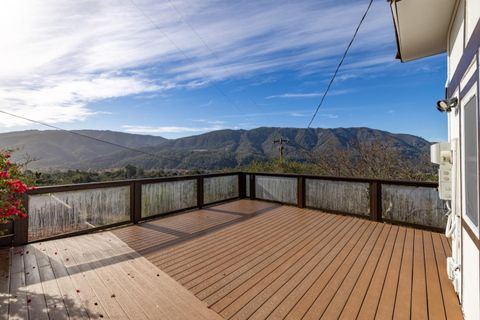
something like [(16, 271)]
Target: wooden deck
[(245, 260), (90, 277)]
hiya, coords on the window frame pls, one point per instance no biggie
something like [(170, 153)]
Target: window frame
[(471, 94)]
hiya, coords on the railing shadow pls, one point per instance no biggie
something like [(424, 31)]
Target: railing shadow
[(28, 305)]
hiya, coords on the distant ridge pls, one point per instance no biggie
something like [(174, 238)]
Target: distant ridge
[(213, 150)]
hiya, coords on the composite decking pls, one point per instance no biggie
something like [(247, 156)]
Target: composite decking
[(90, 277), (244, 260)]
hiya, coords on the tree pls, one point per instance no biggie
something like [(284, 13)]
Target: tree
[(130, 171), (373, 159)]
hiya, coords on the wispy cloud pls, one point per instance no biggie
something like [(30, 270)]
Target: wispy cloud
[(297, 114), (65, 99), (58, 57), (216, 122), (307, 94), (169, 129)]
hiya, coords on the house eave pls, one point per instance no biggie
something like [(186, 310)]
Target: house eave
[(421, 27)]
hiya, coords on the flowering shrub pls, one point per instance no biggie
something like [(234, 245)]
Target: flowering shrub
[(12, 189)]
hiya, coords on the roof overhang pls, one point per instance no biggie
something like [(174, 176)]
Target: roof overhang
[(421, 26)]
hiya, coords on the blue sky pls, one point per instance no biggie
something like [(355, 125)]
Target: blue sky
[(182, 67)]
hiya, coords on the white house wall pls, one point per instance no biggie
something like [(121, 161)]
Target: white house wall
[(473, 16), (456, 41), (462, 68)]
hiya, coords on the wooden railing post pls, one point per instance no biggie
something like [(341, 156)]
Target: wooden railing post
[(200, 197), (301, 192), (252, 186), (376, 200), (135, 201), (20, 227), (242, 185)]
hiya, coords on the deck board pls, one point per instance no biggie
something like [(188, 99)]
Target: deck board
[(386, 304), (4, 282), (371, 301), (286, 266), (404, 291), (238, 260), (270, 267), (436, 308), (450, 299), (252, 255), (370, 253), (275, 293), (93, 277)]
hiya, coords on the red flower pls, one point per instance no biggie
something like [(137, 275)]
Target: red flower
[(17, 186), (11, 188)]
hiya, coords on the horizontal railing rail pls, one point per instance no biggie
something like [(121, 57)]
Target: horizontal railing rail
[(107, 184), (65, 210), (350, 179)]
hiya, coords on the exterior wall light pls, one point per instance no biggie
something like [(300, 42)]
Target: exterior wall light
[(447, 105)]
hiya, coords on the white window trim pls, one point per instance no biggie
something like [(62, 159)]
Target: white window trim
[(470, 94)]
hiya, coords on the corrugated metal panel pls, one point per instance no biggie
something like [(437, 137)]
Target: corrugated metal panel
[(416, 205), (347, 197), (282, 189), (158, 198), (53, 214), (220, 188)]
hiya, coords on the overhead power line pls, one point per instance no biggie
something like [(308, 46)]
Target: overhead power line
[(159, 157), (184, 54), (340, 64), (205, 44)]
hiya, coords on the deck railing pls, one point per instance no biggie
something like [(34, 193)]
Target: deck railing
[(59, 211)]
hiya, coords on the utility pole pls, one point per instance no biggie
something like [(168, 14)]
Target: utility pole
[(281, 146)]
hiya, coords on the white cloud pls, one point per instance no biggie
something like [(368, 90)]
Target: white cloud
[(297, 114), (58, 57), (168, 129), (307, 94), (216, 122), (65, 99)]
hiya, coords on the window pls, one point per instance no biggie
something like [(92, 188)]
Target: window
[(471, 160)]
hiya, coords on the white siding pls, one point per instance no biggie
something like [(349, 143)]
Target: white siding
[(471, 287), (473, 16), (456, 41)]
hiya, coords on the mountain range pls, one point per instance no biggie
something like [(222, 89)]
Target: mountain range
[(60, 150)]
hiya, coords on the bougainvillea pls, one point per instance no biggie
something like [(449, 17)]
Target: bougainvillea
[(12, 188)]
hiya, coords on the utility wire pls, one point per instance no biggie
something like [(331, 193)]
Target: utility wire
[(340, 64), (219, 89), (205, 44), (184, 54), (89, 137)]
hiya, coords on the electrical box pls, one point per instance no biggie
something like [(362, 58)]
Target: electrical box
[(445, 182), (441, 154)]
